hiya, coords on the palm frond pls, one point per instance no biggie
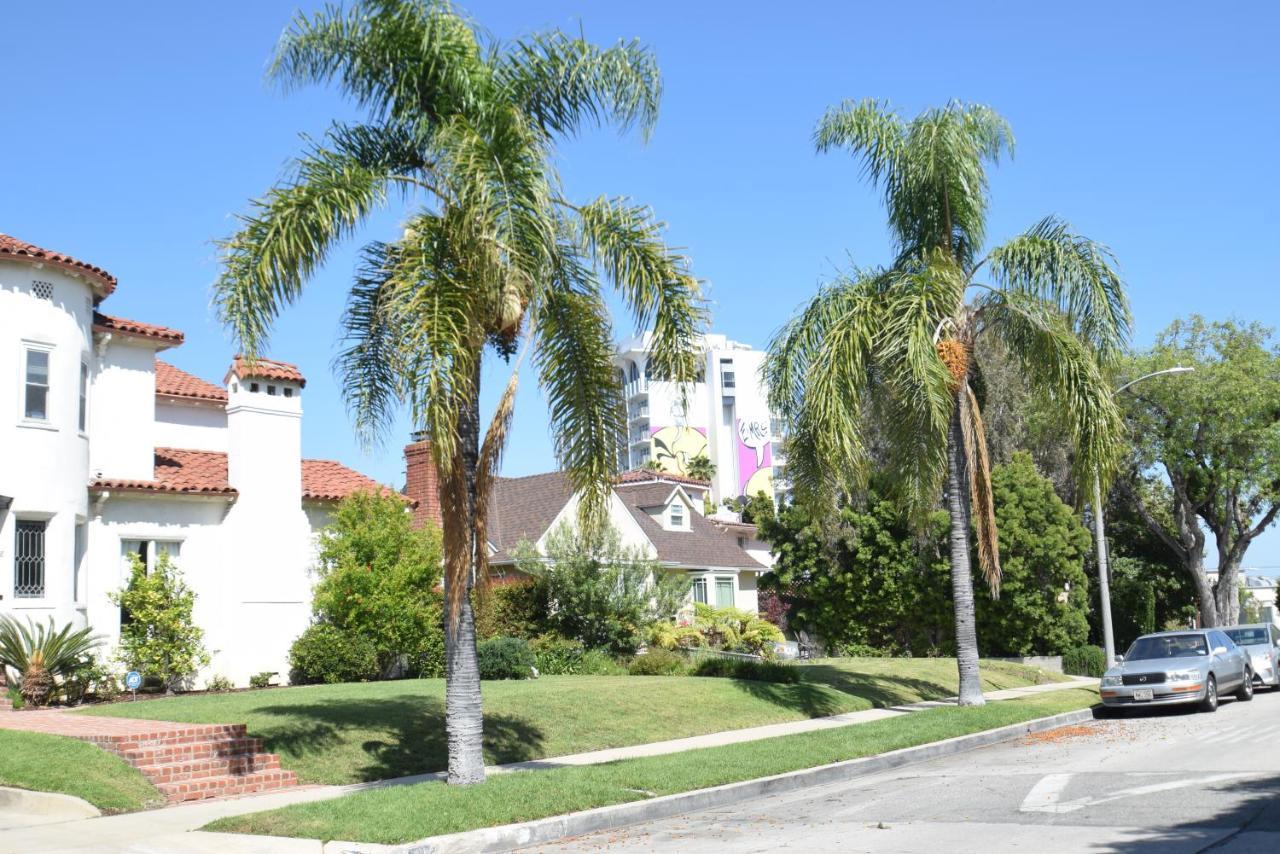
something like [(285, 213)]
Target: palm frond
[(1051, 262), (574, 358), (562, 82), (413, 62), (869, 128), (1039, 336), (981, 500), (654, 281)]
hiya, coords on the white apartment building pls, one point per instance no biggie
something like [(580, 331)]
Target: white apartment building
[(108, 451), (726, 418)]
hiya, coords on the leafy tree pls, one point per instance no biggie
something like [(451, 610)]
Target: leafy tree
[(597, 590), (1207, 449), (493, 258), (1044, 592), (701, 467), (159, 638), (862, 577), (380, 578), (900, 341)]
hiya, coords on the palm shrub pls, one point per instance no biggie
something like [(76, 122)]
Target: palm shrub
[(41, 654), (494, 258), (897, 343), (736, 630)]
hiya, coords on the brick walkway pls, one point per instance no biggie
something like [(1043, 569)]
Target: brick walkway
[(185, 762)]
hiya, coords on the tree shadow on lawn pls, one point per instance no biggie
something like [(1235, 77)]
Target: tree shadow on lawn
[(879, 689), (414, 741), (804, 697)]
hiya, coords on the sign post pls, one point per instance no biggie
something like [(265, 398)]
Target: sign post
[(133, 681)]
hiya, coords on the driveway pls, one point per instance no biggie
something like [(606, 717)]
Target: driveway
[(1163, 782)]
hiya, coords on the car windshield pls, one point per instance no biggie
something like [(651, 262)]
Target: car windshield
[(1167, 646), (1245, 637)]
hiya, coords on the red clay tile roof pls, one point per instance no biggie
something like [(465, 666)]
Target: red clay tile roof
[(266, 369), (176, 382), (326, 480), (645, 476), (121, 326), (13, 248), (179, 471)]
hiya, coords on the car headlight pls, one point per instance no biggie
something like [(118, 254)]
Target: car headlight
[(1112, 681), (1183, 676)]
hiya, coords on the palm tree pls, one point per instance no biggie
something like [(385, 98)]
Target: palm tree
[(894, 345), (40, 653), (701, 468), (492, 259)]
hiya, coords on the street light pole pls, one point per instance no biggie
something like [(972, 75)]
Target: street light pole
[(1100, 536)]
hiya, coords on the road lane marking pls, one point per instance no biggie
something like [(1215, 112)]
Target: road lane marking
[(1045, 795)]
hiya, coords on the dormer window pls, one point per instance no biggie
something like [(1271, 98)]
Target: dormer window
[(676, 516)]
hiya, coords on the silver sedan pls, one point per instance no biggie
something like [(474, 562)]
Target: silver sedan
[(1191, 666), (1261, 642)]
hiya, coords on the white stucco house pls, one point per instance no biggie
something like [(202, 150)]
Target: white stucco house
[(660, 513), (106, 450)]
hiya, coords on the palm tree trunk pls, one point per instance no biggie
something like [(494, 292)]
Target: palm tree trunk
[(463, 710), (961, 572)]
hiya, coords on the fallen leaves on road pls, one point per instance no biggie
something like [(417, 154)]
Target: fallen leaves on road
[(1062, 733)]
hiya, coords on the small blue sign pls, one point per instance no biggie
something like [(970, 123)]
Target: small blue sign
[(133, 680)]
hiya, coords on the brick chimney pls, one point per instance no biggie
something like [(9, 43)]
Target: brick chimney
[(421, 481)]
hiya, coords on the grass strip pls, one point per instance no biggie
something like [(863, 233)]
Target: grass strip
[(53, 763), (360, 732), (404, 813)]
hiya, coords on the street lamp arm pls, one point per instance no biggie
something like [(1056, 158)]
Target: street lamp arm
[(1177, 369)]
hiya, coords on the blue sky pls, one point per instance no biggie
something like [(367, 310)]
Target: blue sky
[(134, 132)]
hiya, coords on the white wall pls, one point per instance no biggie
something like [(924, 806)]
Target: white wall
[(43, 465), (122, 424), (198, 426)]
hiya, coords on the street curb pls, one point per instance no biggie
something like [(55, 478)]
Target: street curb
[(510, 836)]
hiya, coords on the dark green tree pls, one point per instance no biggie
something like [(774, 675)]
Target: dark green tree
[(1044, 591), (1207, 449)]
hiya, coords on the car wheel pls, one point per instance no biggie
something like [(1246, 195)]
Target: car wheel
[(1245, 694), (1210, 701)]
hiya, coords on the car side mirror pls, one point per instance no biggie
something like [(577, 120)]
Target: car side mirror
[(1219, 650), (1119, 658)]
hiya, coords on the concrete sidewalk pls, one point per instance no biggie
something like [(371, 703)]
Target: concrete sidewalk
[(169, 828)]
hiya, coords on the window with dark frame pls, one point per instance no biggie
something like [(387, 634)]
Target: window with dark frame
[(84, 396), (28, 558), (700, 590)]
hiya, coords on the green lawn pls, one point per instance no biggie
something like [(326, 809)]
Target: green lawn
[(373, 731), (402, 813), (51, 763)]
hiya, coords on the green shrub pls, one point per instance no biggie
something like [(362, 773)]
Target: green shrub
[(509, 608), (659, 662), (666, 635), (15, 698), (597, 662), (742, 668), (42, 654), (218, 684), (1084, 661), (557, 656), (379, 577), (160, 640), (90, 677), (261, 680), (325, 653), (505, 658)]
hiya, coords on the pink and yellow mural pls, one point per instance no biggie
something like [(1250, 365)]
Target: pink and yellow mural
[(755, 457), (674, 447)]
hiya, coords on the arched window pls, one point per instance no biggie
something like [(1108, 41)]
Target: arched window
[(635, 372), (648, 371)]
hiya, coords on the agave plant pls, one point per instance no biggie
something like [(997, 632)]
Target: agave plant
[(40, 653)]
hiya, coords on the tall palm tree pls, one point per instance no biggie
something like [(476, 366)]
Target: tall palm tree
[(895, 344), (492, 259)]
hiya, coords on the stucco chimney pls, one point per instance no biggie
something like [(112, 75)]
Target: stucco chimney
[(422, 481), (264, 431)]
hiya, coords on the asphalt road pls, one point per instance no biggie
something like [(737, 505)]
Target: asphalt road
[(1162, 781)]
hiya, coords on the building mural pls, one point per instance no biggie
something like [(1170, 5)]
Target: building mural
[(674, 447), (755, 463)]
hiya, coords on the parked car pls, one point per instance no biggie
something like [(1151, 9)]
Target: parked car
[(1261, 642), (1191, 666)]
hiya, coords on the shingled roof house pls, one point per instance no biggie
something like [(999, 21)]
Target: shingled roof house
[(110, 452), (661, 513)]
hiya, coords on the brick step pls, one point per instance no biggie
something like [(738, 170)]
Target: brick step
[(225, 766), (166, 738), (227, 786), (140, 756)]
